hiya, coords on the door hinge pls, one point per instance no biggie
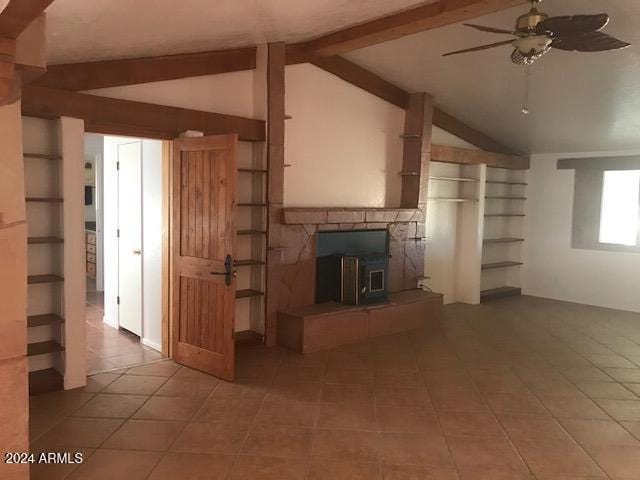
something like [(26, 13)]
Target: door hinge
[(118, 299), (117, 165)]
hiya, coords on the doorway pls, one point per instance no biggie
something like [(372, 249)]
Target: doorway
[(125, 251)]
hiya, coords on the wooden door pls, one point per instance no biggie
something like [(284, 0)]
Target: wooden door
[(203, 248)]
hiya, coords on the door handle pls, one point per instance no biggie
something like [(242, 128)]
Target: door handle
[(137, 251), (228, 270)]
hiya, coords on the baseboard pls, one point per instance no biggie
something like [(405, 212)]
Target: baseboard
[(109, 322), (151, 344)]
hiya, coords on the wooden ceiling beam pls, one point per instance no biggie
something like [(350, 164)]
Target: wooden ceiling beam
[(19, 14), (469, 134), (407, 22), (129, 71), (442, 153), (360, 77), (125, 117)]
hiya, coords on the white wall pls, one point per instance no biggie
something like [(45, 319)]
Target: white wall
[(229, 93), (555, 270), (343, 143)]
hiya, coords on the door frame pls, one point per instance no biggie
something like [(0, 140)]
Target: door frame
[(165, 178), (167, 227)]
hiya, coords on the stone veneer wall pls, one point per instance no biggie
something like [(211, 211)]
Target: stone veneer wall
[(298, 246)]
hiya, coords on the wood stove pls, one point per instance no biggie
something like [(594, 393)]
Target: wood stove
[(352, 267)]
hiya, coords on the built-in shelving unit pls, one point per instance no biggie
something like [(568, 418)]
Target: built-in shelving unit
[(505, 200), (43, 166), (248, 293), (251, 236), (41, 320), (42, 348), (456, 195), (454, 200), (46, 240), (248, 263), (503, 240), (44, 200), (453, 179), (46, 278), (488, 266)]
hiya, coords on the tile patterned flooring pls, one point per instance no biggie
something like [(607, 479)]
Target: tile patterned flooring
[(109, 348), (517, 389)]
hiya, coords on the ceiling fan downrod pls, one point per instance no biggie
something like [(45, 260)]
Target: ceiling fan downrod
[(525, 101)]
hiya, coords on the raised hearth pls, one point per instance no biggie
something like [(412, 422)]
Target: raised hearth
[(328, 325)]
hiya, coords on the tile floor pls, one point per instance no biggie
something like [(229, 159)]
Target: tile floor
[(517, 389), (108, 347)]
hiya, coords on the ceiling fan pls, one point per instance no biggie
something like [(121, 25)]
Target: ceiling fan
[(536, 33)]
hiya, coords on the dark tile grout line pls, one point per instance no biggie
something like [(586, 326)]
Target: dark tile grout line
[(557, 419), (375, 403)]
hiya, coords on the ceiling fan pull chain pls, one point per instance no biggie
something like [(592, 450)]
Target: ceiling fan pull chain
[(525, 103)]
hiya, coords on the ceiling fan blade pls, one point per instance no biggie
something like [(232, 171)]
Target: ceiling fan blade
[(589, 42), (517, 57), (572, 25), (482, 28), (481, 47)]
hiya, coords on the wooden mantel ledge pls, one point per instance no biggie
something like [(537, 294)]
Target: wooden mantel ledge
[(355, 215)]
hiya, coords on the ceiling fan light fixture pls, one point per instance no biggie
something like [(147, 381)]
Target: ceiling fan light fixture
[(532, 45)]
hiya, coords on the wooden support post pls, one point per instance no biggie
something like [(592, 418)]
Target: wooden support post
[(412, 151), (275, 191), (14, 414)]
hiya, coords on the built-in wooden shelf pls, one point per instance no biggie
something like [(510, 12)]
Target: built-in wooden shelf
[(42, 320), (409, 173), (455, 200), (454, 179), (248, 338), (500, 292), (247, 263), (252, 170), (411, 135), (503, 240), (506, 183), (252, 204), (43, 240), (45, 381), (493, 197), (42, 348), (44, 199), (504, 215), (251, 232), (35, 279), (489, 266), (47, 156), (249, 292)]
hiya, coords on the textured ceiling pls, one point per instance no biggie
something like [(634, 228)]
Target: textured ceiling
[(578, 102), (81, 30)]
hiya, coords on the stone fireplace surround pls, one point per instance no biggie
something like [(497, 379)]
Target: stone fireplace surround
[(298, 246)]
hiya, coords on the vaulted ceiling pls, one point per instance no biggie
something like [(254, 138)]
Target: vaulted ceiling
[(578, 101)]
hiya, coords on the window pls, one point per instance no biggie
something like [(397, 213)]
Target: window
[(620, 210)]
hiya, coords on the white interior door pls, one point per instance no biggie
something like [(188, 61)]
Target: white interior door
[(130, 236)]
